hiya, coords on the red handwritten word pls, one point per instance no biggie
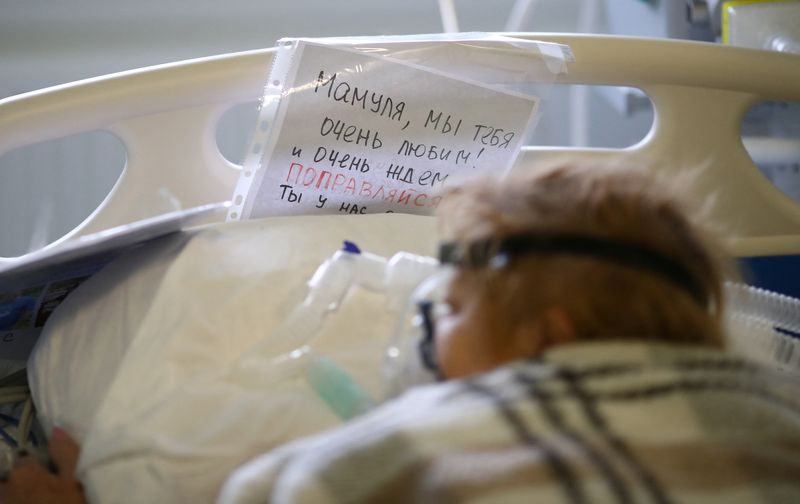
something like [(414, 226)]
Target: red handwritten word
[(344, 183)]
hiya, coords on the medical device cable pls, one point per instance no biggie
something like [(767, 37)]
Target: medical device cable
[(8, 438), (18, 426), (8, 419), (12, 397), (25, 422)]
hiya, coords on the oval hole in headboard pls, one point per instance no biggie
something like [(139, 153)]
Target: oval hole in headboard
[(771, 135), (234, 130), (48, 188), (592, 116)]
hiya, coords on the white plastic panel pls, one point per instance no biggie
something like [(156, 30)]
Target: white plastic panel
[(167, 115)]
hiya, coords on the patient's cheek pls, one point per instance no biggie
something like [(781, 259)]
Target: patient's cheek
[(443, 334), (463, 344), (447, 345)]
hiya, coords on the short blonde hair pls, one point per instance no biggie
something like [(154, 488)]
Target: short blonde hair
[(602, 299)]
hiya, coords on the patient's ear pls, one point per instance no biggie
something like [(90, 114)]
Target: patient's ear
[(550, 328)]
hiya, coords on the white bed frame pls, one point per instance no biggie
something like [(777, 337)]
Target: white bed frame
[(166, 117)]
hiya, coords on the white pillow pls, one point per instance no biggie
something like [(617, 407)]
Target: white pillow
[(167, 413), (83, 343)]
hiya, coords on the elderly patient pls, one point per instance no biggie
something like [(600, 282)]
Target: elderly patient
[(580, 359)]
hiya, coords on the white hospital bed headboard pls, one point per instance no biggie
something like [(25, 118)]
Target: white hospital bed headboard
[(166, 116)]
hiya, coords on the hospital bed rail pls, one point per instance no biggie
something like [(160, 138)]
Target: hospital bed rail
[(166, 117)]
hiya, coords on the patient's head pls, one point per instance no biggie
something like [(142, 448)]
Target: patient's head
[(570, 253)]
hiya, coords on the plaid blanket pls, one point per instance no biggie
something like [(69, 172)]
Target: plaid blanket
[(601, 422)]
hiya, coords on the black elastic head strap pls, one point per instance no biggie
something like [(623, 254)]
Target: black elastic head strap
[(425, 347), (498, 252)]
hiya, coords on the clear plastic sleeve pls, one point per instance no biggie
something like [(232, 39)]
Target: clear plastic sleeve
[(377, 124)]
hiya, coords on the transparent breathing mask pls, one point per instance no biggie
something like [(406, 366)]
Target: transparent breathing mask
[(410, 358)]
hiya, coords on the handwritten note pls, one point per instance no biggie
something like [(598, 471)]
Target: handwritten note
[(358, 133)]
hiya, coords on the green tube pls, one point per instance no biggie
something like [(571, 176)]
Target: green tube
[(337, 389)]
